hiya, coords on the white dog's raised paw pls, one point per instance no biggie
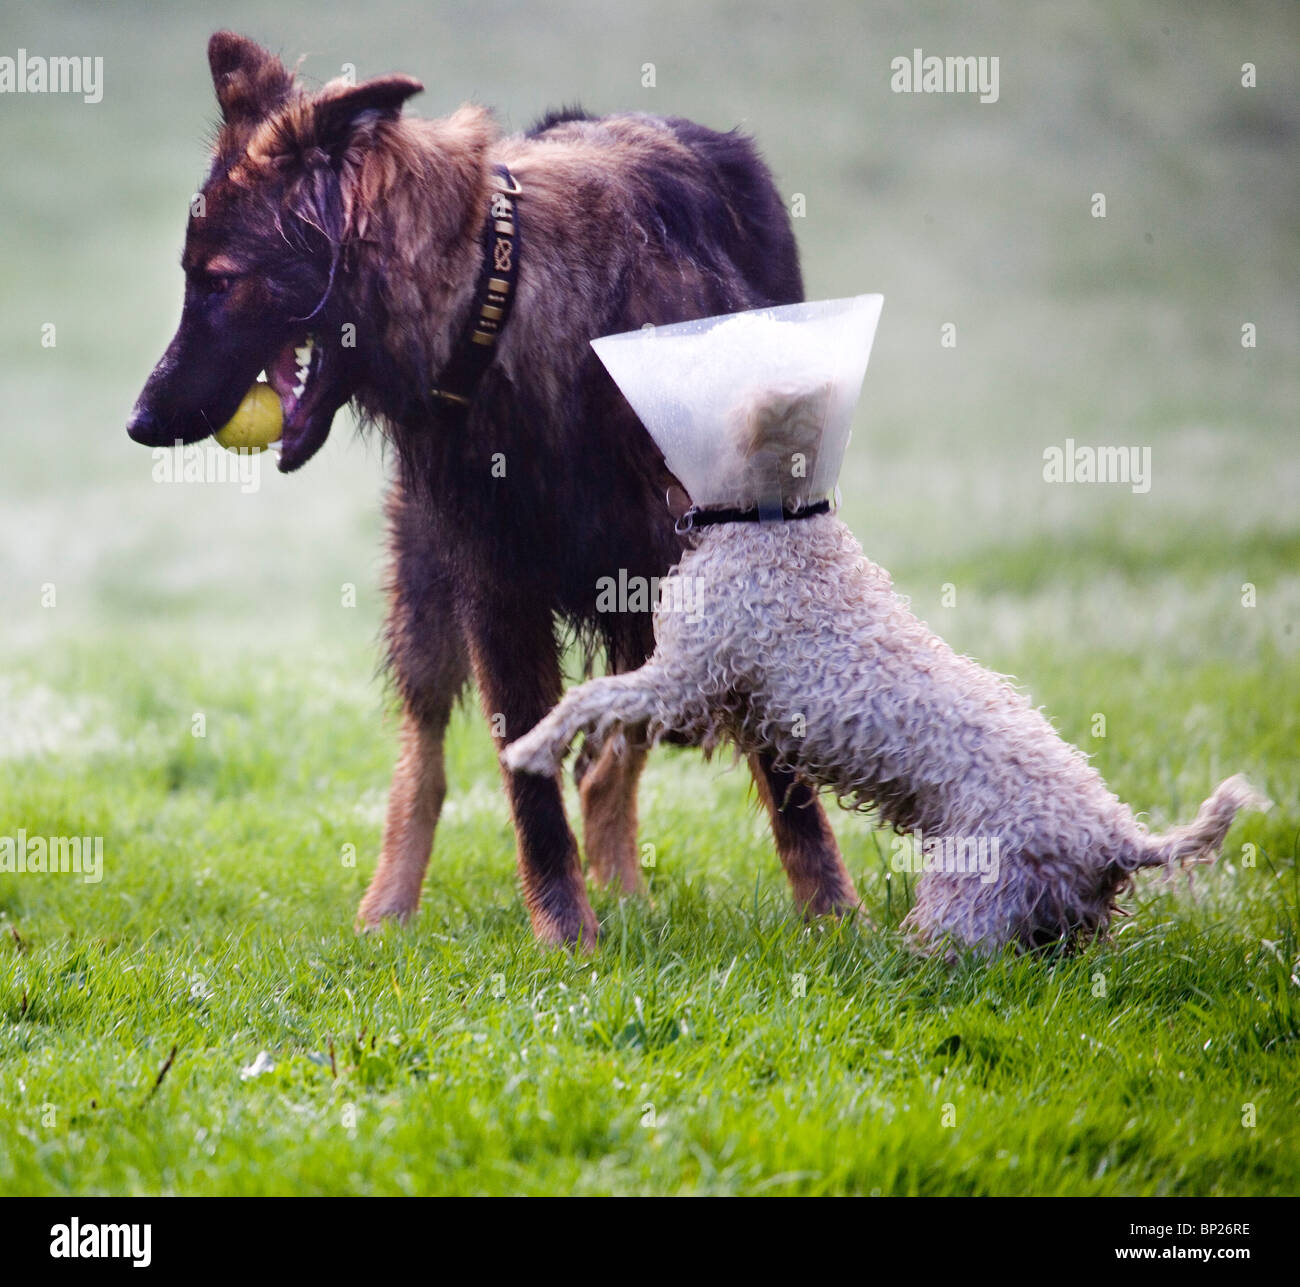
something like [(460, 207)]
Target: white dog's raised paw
[(529, 755)]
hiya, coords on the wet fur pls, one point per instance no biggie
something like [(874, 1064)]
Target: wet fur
[(336, 207), (802, 651)]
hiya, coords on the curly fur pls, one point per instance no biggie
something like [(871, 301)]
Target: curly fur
[(801, 647)]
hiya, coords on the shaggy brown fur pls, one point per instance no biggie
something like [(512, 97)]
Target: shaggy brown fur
[(331, 215)]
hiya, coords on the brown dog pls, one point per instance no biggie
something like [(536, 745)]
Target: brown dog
[(447, 280)]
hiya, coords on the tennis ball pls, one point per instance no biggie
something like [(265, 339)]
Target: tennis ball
[(257, 422)]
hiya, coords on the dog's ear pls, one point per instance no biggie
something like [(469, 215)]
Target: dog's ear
[(339, 111), (250, 82)]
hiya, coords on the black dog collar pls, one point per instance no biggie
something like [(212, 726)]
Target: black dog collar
[(494, 297), (696, 517)]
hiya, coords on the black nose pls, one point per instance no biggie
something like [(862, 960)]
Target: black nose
[(143, 427)]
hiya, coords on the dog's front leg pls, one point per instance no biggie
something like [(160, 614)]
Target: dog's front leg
[(518, 676), (414, 804), (430, 665), (603, 705)]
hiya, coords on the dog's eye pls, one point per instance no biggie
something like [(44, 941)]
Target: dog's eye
[(210, 284)]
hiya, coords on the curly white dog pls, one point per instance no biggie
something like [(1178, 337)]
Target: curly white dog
[(798, 645)]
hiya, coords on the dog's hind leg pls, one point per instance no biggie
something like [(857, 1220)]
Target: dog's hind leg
[(804, 840), (607, 791)]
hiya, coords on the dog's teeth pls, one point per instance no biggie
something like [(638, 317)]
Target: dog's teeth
[(302, 373), (303, 354), (298, 390)]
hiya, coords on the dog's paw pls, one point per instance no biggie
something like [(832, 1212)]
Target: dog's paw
[(531, 755), (576, 929), (377, 913)]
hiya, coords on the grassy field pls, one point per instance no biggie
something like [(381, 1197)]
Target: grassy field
[(713, 1044)]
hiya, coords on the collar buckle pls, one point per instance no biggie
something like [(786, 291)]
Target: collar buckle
[(507, 182)]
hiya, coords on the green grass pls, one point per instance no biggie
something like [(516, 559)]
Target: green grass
[(455, 1056)]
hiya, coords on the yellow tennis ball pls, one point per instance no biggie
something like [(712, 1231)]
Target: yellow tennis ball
[(257, 422)]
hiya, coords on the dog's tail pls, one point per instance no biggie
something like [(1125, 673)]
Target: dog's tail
[(1199, 841)]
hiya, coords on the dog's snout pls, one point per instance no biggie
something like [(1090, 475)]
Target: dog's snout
[(141, 424), (145, 427)]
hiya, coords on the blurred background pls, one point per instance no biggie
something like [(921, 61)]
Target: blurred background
[(1123, 330)]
